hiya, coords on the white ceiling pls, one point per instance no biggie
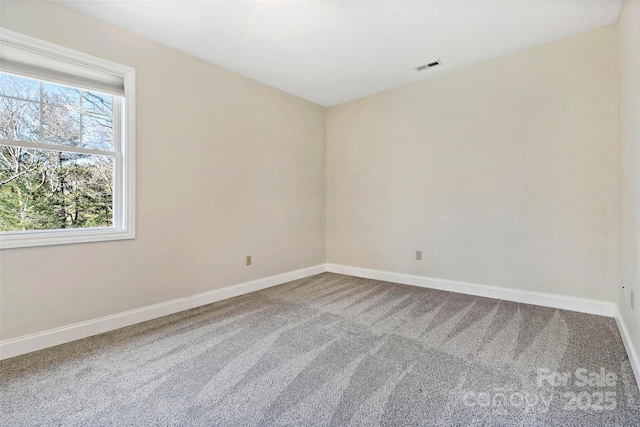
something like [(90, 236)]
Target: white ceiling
[(330, 52)]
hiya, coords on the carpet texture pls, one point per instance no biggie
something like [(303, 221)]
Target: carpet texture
[(334, 350)]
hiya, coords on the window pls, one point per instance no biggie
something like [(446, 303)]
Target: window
[(66, 145)]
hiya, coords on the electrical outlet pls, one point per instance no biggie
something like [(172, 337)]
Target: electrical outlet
[(632, 301), (248, 260), (419, 255)]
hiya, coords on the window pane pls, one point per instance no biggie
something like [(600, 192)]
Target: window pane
[(97, 132), (19, 119), (19, 87), (64, 96), (47, 190), (60, 125), (97, 103)]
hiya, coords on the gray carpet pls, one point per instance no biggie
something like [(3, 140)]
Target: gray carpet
[(334, 350)]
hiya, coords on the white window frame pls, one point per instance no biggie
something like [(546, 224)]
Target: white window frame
[(84, 66)]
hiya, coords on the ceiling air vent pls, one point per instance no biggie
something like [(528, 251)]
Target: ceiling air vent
[(429, 65)]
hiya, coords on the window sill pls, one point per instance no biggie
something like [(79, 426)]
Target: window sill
[(24, 239)]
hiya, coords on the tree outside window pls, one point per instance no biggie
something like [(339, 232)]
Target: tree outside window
[(57, 156)]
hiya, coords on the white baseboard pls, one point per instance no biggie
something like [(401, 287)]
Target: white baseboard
[(50, 338), (601, 308), (631, 352)]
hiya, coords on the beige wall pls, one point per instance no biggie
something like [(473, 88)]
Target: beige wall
[(226, 167), (629, 161), (502, 174)]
